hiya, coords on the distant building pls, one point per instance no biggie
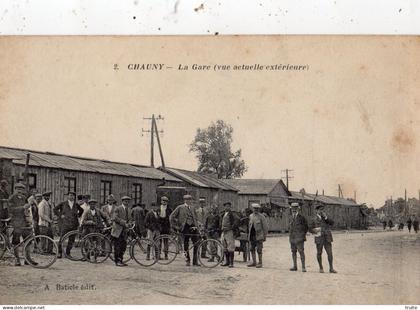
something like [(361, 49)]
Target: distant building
[(206, 186)]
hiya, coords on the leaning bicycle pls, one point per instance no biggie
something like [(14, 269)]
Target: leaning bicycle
[(172, 245), (38, 251)]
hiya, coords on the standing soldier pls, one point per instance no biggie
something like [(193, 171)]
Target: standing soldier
[(120, 221), (230, 224), (321, 228), (46, 220), (138, 217), (416, 225), (258, 230), (68, 213), (409, 223), (297, 236), (164, 213), (184, 220), (212, 227), (201, 218), (18, 210), (110, 206)]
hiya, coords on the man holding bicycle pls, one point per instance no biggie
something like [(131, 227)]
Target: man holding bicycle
[(183, 219), (19, 211), (120, 223)]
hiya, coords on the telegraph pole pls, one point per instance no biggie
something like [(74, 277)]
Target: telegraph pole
[(154, 131), (288, 177)]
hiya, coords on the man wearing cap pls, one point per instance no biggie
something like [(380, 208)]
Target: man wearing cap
[(94, 220), (68, 213), (120, 222), (229, 224), (110, 206), (45, 220), (258, 230), (184, 220), (297, 235), (321, 228), (164, 223), (18, 210)]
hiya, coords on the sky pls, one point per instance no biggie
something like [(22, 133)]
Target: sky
[(352, 118)]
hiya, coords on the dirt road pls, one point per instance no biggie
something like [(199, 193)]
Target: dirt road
[(373, 268)]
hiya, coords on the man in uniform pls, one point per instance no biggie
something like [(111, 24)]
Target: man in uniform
[(164, 213), (68, 213), (110, 206), (45, 220), (321, 228), (258, 230), (19, 210), (230, 224), (184, 220), (297, 236), (120, 222)]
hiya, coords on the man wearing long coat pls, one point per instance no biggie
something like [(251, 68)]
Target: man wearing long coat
[(120, 221), (257, 234), (297, 236), (68, 213)]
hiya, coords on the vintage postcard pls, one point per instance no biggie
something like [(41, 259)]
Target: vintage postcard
[(210, 170)]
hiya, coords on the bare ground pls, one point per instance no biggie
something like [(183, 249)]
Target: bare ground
[(374, 268)]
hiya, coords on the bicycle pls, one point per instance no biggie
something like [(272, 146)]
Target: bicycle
[(175, 246), (39, 251), (76, 235), (98, 246)]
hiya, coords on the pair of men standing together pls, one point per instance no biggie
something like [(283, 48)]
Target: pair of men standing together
[(320, 227)]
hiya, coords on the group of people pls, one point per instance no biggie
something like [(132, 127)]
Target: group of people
[(411, 223), (36, 213)]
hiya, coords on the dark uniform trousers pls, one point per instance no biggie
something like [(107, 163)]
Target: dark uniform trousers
[(187, 235)]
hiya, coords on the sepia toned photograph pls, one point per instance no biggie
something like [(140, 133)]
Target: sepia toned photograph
[(217, 170)]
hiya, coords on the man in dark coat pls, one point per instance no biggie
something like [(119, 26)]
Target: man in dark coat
[(138, 216), (321, 228), (297, 236), (68, 213), (409, 223), (94, 220), (120, 223), (416, 225)]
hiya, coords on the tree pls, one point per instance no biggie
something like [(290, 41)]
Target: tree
[(214, 153)]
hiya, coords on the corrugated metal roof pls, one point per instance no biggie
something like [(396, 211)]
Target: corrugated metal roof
[(198, 179), (74, 163), (330, 200), (253, 186)]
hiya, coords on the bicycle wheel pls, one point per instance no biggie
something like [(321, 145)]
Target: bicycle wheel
[(96, 248), (40, 251), (3, 245), (127, 254), (215, 249), (144, 252), (71, 243), (167, 249)]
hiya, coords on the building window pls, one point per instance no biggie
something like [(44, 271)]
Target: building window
[(136, 193), (31, 181), (250, 202), (70, 184), (105, 190)]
